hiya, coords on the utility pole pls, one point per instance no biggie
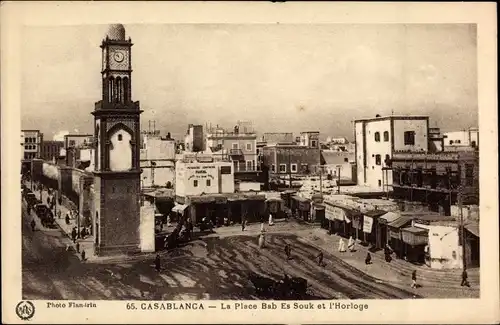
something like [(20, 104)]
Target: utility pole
[(338, 179), (290, 167), (462, 232), (153, 164), (321, 180)]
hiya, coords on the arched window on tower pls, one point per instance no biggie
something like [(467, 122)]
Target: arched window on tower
[(119, 90), (125, 90), (110, 89)]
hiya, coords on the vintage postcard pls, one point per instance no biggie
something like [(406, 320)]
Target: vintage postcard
[(236, 162)]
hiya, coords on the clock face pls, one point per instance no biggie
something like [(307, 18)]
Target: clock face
[(118, 56)]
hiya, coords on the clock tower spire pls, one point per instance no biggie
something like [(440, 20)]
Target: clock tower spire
[(117, 137)]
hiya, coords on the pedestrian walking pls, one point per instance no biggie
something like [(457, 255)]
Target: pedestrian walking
[(320, 259), (341, 245), (262, 241), (465, 282), (157, 263), (387, 253), (288, 251), (368, 259), (73, 234), (414, 279), (243, 224), (351, 244), (270, 222)]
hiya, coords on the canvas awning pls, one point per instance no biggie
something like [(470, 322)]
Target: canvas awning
[(388, 218), (335, 213), (473, 228), (400, 222), (274, 199), (300, 199), (414, 236), (179, 208), (375, 214)]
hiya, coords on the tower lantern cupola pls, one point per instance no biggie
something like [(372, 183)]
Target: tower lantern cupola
[(116, 69)]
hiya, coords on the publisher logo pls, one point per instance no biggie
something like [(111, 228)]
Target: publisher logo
[(25, 310)]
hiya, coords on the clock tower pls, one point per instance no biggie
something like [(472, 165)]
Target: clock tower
[(117, 137)]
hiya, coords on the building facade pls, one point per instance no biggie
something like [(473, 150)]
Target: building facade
[(437, 180), (463, 138), (117, 135), (239, 146), (203, 176), (339, 164), (158, 161), (31, 144), (310, 139), (194, 140), (73, 144), (288, 160), (51, 150), (277, 137), (378, 138)]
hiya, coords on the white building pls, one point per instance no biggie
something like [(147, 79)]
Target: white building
[(194, 139), (464, 138), (338, 163), (31, 142), (309, 139), (444, 247), (196, 176), (378, 138), (238, 145), (157, 161)]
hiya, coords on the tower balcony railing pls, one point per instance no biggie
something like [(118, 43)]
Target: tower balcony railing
[(101, 105)]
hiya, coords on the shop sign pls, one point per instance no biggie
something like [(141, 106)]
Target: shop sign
[(367, 224), (334, 213)]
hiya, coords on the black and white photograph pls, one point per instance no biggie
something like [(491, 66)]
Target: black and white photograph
[(169, 165)]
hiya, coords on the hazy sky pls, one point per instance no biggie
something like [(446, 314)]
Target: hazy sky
[(284, 78)]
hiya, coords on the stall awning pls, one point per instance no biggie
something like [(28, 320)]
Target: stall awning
[(179, 208), (300, 199), (400, 222), (473, 228), (336, 213), (319, 207), (375, 213), (388, 218), (414, 236)]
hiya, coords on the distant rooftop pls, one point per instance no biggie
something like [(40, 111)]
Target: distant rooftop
[(393, 117)]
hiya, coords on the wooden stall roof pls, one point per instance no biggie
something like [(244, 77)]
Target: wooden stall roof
[(375, 213)]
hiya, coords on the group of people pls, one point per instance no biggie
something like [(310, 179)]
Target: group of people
[(350, 245), (83, 233)]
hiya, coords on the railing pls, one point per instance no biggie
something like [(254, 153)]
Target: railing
[(428, 156), (235, 152), (231, 134)]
